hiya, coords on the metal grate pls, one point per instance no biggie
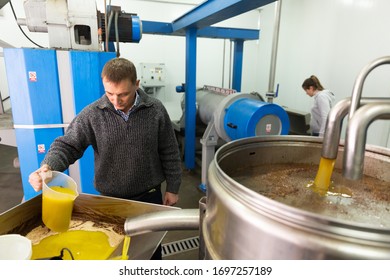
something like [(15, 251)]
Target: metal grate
[(180, 246)]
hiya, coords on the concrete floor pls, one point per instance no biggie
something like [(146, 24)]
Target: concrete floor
[(11, 190), (11, 194)]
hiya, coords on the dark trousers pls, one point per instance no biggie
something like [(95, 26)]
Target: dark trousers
[(153, 196)]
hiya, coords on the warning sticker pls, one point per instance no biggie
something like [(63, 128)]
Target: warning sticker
[(41, 148), (32, 76), (268, 128)]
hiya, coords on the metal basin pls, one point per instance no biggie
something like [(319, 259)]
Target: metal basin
[(241, 223), (24, 217)]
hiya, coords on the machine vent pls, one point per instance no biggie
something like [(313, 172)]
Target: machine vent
[(180, 246)]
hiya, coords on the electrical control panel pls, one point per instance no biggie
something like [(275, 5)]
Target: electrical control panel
[(152, 74)]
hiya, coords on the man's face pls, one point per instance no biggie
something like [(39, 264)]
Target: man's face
[(122, 94)]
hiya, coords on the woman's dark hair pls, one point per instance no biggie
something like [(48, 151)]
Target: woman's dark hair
[(312, 82)]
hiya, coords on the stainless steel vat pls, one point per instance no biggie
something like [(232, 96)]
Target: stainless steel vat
[(242, 224)]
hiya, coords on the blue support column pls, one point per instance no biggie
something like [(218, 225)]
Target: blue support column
[(237, 64), (190, 99)]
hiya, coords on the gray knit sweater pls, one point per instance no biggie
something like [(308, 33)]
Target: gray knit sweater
[(130, 157)]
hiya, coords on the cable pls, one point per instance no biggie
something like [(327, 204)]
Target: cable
[(70, 253), (108, 29), (16, 19), (105, 26), (223, 62), (117, 33)]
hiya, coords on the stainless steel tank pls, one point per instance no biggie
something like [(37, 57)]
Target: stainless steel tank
[(240, 223)]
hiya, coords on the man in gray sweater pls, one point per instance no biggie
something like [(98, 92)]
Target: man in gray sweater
[(135, 147), (134, 144)]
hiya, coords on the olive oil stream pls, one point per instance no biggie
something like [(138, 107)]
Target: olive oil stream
[(322, 183)]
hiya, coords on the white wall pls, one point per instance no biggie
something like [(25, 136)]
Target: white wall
[(333, 39)]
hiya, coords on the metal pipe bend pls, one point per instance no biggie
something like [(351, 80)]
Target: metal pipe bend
[(182, 219), (358, 86), (355, 142), (334, 123)]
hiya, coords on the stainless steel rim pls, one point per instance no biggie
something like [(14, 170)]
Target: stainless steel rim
[(288, 214)]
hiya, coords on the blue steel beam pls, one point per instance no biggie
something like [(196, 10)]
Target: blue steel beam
[(156, 27), (229, 33), (190, 99), (237, 62), (214, 11), (165, 28)]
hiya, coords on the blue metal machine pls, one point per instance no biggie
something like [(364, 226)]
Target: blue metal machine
[(247, 117), (230, 115), (48, 88)]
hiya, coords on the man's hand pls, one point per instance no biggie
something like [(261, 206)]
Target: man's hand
[(36, 178), (170, 199)]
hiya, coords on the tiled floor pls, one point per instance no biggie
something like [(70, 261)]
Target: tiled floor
[(11, 194)]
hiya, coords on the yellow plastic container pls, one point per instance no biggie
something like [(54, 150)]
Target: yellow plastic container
[(58, 195)]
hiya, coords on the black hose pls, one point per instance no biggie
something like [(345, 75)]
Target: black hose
[(117, 33), (108, 29), (16, 19)]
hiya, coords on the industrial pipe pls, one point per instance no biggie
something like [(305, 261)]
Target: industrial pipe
[(358, 86), (334, 124), (271, 82), (182, 219), (356, 137)]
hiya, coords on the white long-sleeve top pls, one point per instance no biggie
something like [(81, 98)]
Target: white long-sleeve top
[(323, 102)]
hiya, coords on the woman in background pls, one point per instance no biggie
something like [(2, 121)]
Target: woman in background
[(323, 102)]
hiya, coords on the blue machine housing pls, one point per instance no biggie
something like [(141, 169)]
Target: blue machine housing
[(37, 100), (248, 117)]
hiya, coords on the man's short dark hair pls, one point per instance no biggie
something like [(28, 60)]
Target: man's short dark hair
[(119, 69)]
